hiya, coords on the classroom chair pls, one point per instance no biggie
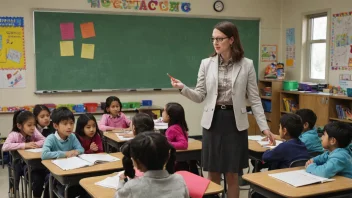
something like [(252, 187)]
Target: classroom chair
[(11, 176), (299, 162)]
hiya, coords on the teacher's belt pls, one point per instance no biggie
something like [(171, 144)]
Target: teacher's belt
[(224, 107)]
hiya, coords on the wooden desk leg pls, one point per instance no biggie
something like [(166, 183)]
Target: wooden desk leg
[(29, 181), (51, 193)]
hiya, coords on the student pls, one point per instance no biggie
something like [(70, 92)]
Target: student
[(176, 133), (292, 149), (141, 122), (113, 117), (310, 135), (63, 143), (151, 154), (337, 160), (42, 117), (24, 136), (88, 134)]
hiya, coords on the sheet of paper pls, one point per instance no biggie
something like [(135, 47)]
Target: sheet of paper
[(67, 31), (87, 51), (71, 163), (299, 178), (87, 30), (123, 138), (37, 150), (66, 48), (92, 158), (255, 137), (14, 55), (271, 147)]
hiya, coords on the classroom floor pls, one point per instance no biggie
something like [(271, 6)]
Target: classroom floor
[(4, 185)]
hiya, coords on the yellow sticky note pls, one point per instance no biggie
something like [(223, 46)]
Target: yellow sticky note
[(87, 51), (66, 48)]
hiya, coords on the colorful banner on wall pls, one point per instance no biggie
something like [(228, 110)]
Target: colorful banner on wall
[(12, 78), (269, 53), (290, 47), (341, 41), (12, 53), (146, 5)]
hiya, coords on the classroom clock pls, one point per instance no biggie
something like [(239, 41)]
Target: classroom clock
[(218, 6)]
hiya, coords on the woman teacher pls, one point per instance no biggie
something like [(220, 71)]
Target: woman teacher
[(223, 82)]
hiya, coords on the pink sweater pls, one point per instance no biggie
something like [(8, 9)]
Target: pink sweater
[(176, 137), (16, 141), (107, 122)]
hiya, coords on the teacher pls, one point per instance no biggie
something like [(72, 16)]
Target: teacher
[(223, 82)]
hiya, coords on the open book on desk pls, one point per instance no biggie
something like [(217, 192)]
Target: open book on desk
[(299, 178), (83, 161)]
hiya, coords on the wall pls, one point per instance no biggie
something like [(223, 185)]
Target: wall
[(267, 10), (292, 17)]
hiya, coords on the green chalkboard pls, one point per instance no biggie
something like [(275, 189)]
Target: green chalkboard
[(131, 52)]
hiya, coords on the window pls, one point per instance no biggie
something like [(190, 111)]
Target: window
[(317, 33)]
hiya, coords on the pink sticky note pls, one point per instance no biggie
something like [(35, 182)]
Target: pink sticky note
[(67, 31), (196, 185)]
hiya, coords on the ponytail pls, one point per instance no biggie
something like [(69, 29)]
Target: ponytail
[(170, 165), (127, 161)]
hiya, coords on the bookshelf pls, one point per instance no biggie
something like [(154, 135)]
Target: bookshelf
[(343, 101), (273, 115)]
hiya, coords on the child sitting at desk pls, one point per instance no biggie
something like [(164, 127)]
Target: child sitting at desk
[(113, 118), (310, 136), (25, 136), (337, 160), (141, 122), (63, 143), (150, 153), (42, 117), (292, 149), (88, 134)]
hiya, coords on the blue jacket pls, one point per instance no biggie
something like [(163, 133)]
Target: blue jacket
[(285, 153), (312, 141), (55, 147), (338, 162)]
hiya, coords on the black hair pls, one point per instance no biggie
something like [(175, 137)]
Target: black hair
[(20, 117), (111, 99), (142, 122), (341, 131), (62, 113), (39, 108), (82, 121), (150, 149), (177, 116), (293, 124), (308, 116)]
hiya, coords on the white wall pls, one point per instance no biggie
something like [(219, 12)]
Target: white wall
[(292, 16), (267, 10)]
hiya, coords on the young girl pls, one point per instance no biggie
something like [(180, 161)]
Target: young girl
[(24, 136), (88, 134), (113, 117), (141, 122), (151, 154), (176, 134), (42, 117)]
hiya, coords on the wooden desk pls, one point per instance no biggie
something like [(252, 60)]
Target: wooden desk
[(255, 152), (100, 192), (33, 161), (112, 140), (72, 177), (270, 187)]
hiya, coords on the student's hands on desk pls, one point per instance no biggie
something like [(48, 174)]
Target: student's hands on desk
[(72, 153), (93, 146), (270, 136), (309, 162), (30, 145)]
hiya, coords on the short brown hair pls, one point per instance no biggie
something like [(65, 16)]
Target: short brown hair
[(230, 30)]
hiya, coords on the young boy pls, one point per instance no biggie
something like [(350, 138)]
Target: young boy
[(292, 149), (337, 160), (310, 135), (63, 143)]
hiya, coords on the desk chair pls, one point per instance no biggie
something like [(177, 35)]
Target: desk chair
[(11, 176), (299, 162)]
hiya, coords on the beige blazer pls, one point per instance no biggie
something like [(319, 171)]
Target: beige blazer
[(243, 82)]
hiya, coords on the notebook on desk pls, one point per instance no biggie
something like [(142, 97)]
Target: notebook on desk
[(299, 178), (37, 150), (83, 160)]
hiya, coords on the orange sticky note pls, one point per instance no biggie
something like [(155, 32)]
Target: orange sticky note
[(289, 62), (87, 30)]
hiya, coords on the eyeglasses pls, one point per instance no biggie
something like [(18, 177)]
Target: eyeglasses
[(218, 40)]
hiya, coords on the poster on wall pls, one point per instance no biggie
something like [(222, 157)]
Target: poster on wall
[(269, 53), (290, 47), (341, 41), (12, 78)]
